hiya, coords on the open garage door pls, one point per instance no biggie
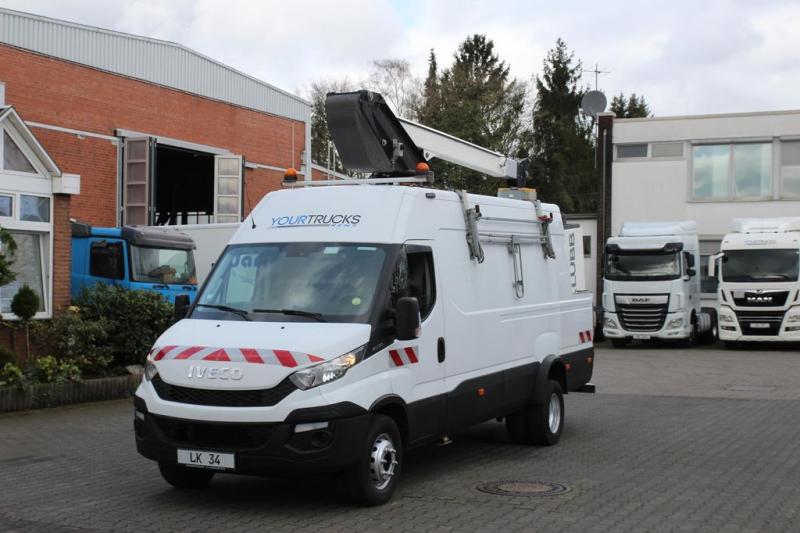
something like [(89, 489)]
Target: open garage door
[(228, 178), (137, 179)]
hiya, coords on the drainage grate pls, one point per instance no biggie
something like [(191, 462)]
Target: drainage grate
[(523, 488)]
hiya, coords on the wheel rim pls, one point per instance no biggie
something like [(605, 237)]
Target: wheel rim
[(383, 461), (554, 414)]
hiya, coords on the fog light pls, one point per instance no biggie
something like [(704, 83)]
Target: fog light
[(610, 323), (150, 371), (138, 414), (675, 323), (793, 328), (728, 328), (302, 428)]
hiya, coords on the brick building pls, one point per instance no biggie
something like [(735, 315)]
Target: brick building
[(157, 133)]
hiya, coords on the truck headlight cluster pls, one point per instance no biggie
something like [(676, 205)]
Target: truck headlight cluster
[(610, 323), (726, 318), (794, 317), (327, 371), (150, 371), (675, 323)]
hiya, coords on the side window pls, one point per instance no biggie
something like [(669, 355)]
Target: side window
[(421, 280), (106, 260)]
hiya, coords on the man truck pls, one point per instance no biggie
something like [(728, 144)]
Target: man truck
[(348, 322), (759, 291), (651, 289)]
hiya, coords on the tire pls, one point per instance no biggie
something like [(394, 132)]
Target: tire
[(691, 340), (374, 478), (619, 343), (539, 424), (184, 477), (710, 336)]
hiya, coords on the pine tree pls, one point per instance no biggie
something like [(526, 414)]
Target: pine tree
[(633, 107), (619, 105), (477, 100), (562, 160)]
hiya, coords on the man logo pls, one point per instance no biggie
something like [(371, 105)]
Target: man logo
[(759, 299), (216, 372)]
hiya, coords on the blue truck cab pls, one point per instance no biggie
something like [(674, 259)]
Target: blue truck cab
[(134, 257)]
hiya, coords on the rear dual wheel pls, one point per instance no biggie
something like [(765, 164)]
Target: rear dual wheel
[(539, 424)]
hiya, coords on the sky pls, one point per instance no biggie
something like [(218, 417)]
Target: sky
[(685, 57)]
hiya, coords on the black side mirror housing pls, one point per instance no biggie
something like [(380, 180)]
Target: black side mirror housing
[(691, 272), (406, 319), (181, 306), (689, 259)]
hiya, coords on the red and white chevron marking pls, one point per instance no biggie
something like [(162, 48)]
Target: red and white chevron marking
[(238, 355), (585, 336), (405, 356)]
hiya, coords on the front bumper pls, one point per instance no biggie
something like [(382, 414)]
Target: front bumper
[(260, 448), (730, 329), (680, 332)]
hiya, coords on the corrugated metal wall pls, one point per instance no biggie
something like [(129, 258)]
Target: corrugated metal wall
[(160, 62)]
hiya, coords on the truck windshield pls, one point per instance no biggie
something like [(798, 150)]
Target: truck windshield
[(760, 265), (642, 267), (162, 265), (285, 282)]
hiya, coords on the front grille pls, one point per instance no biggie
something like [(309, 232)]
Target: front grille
[(772, 319), (642, 317), (759, 299), (224, 398), (209, 435)]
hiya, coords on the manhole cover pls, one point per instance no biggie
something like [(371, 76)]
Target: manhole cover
[(523, 488)]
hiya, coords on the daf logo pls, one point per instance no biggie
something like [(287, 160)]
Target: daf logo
[(639, 300), (215, 372)]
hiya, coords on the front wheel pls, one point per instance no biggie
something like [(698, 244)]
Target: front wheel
[(374, 478), (184, 477), (540, 424)]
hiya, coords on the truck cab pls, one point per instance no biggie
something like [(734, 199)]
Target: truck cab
[(133, 257), (651, 289), (759, 288)]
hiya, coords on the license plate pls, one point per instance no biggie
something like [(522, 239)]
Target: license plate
[(759, 325), (201, 459), (641, 337)]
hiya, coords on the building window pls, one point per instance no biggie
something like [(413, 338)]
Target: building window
[(587, 246), (6, 206), (670, 149), (790, 169), (13, 158), (34, 208), (626, 151), (732, 171), (28, 266)]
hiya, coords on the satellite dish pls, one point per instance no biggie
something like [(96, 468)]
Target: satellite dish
[(593, 102)]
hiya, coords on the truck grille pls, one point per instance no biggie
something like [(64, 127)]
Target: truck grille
[(759, 299), (224, 398), (771, 319), (209, 435), (642, 317)]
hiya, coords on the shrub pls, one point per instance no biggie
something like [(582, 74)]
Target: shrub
[(135, 318), (11, 374), (48, 369), (71, 337), (7, 356), (25, 303)]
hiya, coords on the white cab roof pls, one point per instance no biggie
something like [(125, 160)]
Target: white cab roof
[(766, 225), (657, 229)]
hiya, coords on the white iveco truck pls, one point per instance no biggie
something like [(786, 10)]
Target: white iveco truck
[(343, 325), (759, 291), (651, 289)]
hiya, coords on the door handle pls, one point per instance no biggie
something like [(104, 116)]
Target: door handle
[(440, 349)]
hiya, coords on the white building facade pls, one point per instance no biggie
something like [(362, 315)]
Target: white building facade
[(706, 168)]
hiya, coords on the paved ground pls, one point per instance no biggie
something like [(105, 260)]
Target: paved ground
[(647, 453)]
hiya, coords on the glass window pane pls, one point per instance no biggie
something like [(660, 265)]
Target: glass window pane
[(631, 150), (791, 181), (228, 167), (28, 267), (6, 206), (13, 158), (228, 185), (227, 205), (711, 164), (790, 153), (34, 208), (667, 149), (752, 166)]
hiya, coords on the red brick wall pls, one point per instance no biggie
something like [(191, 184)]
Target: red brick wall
[(62, 250), (56, 92)]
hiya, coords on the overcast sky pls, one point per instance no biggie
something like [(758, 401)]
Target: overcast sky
[(684, 56)]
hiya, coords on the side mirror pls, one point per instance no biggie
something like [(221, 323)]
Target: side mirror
[(689, 259), (181, 306), (406, 319), (691, 272)]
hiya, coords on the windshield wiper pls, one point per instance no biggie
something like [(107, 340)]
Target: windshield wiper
[(296, 312), (241, 312)]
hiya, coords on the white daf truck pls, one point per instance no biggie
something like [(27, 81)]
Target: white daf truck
[(343, 325), (651, 289), (759, 285)]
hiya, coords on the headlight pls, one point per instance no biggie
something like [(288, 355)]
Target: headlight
[(610, 323), (328, 371), (150, 371), (793, 318), (726, 318), (675, 323)]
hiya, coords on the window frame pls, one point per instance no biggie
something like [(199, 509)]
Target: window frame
[(427, 252), (731, 174), (783, 195), (618, 157), (96, 244)]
